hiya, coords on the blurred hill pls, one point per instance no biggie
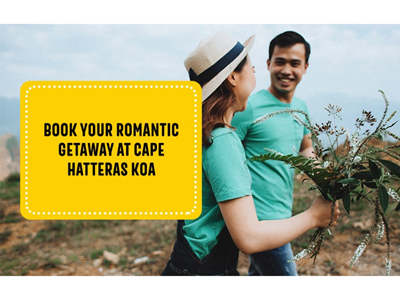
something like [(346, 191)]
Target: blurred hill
[(9, 116), (9, 155)]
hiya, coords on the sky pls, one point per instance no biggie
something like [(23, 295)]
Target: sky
[(349, 63)]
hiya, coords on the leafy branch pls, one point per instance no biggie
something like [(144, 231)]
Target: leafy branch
[(356, 173)]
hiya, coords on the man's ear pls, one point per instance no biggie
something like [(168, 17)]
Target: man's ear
[(232, 78), (305, 68), (268, 63)]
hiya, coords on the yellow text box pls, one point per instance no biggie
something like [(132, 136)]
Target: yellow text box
[(110, 150)]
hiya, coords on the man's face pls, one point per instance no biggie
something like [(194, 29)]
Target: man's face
[(287, 66)]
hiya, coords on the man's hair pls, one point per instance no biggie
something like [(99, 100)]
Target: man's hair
[(288, 39)]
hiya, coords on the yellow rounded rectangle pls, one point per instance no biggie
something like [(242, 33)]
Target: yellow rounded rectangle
[(111, 150)]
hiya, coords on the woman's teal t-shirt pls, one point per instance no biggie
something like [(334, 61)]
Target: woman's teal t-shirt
[(225, 176)]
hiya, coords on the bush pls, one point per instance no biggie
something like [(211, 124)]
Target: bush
[(4, 236)]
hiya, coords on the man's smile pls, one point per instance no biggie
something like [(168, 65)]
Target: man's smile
[(285, 80)]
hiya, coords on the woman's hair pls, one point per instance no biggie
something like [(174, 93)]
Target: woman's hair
[(217, 105)]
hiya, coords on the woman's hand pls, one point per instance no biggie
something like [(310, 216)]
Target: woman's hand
[(320, 212)]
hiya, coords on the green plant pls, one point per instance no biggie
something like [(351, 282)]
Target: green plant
[(57, 226), (10, 264), (26, 270), (355, 173), (4, 236), (20, 248), (96, 254), (12, 218), (122, 262), (52, 263), (106, 263), (9, 187), (73, 257)]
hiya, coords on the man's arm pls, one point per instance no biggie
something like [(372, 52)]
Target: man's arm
[(306, 147)]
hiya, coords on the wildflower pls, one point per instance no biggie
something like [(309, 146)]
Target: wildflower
[(360, 250), (393, 194), (269, 116), (297, 118), (388, 266), (347, 133), (303, 253), (354, 143), (380, 231), (357, 159), (273, 151), (326, 164)]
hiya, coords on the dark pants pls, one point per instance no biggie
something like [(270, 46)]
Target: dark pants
[(273, 262), (222, 260)]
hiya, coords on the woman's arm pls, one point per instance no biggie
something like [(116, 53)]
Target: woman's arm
[(251, 235)]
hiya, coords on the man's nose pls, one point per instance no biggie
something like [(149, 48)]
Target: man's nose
[(286, 69)]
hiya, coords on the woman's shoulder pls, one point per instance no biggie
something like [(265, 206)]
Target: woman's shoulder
[(225, 149), (224, 133), (223, 140)]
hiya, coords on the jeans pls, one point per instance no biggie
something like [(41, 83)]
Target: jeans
[(222, 260), (273, 262)]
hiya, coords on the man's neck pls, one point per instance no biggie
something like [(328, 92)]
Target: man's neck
[(285, 98)]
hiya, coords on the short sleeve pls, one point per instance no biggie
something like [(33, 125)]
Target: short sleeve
[(225, 168), (242, 121)]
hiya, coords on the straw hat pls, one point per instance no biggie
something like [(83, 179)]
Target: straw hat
[(214, 59)]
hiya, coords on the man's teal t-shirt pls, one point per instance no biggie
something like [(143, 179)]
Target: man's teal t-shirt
[(272, 181), (225, 176)]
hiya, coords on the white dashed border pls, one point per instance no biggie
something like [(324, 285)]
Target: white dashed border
[(84, 86)]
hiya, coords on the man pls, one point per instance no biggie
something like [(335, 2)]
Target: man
[(272, 180)]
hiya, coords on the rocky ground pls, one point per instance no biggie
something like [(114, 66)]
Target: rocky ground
[(142, 248)]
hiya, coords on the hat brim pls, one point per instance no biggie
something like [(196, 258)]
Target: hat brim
[(214, 83)]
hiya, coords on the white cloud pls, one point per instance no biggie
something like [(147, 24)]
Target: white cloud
[(355, 60)]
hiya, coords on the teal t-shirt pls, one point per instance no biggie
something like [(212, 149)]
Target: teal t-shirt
[(225, 176), (272, 181)]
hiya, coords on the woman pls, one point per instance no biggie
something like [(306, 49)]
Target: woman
[(209, 244)]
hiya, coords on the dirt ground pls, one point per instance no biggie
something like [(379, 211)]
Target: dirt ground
[(73, 254), (142, 248)]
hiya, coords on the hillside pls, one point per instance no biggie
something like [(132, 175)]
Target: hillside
[(9, 155), (142, 248), (115, 247)]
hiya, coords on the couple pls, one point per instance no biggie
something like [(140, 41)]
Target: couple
[(246, 206)]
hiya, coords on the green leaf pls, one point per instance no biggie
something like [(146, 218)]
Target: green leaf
[(350, 181), (374, 169), (360, 167), (370, 184), (299, 162), (335, 156), (391, 166), (346, 202), (383, 197), (359, 197), (363, 175), (329, 197)]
